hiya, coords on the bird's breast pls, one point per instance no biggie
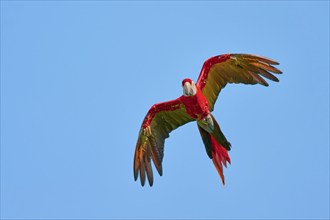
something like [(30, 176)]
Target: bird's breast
[(196, 106)]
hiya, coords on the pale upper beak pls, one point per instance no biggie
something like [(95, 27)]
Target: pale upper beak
[(189, 89)]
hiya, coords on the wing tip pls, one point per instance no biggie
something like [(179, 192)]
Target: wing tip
[(160, 170), (135, 175), (276, 79)]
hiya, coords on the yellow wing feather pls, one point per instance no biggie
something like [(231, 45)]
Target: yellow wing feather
[(161, 119), (234, 68)]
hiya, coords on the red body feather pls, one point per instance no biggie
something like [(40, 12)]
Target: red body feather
[(197, 105), (163, 118)]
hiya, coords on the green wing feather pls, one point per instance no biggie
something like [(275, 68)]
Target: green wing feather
[(163, 118), (234, 68)]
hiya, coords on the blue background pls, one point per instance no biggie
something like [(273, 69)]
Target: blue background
[(78, 77)]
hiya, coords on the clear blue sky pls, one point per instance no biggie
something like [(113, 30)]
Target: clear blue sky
[(78, 77)]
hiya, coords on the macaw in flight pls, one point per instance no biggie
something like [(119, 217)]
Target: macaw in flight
[(196, 104)]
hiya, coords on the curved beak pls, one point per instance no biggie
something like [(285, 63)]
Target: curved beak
[(187, 91)]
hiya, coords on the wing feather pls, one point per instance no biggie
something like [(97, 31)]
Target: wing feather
[(220, 70), (161, 119)]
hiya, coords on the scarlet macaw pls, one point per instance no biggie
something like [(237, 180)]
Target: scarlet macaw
[(196, 104)]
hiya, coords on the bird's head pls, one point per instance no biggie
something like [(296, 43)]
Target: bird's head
[(189, 87)]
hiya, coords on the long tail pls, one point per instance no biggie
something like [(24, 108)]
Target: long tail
[(219, 157), (217, 147)]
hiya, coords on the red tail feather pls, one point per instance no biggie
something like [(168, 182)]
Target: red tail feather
[(219, 157)]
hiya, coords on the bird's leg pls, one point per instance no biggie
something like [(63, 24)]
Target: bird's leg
[(207, 123)]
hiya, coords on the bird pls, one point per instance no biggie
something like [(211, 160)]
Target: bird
[(197, 104)]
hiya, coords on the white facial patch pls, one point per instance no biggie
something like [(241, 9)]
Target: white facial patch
[(193, 88), (186, 89), (189, 89)]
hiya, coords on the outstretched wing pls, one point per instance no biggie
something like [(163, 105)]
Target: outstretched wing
[(160, 120), (234, 68)]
